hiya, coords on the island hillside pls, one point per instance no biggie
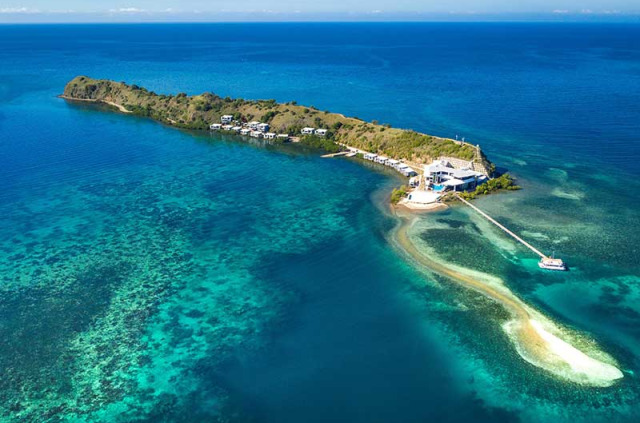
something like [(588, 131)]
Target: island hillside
[(199, 111)]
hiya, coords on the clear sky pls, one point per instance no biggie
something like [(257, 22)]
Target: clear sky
[(294, 10)]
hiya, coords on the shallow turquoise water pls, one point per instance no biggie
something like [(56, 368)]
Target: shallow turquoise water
[(150, 274)]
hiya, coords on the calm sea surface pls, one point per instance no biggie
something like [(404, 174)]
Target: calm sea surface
[(154, 275)]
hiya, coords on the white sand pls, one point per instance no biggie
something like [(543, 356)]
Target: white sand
[(421, 206), (117, 106), (537, 339), (592, 371), (91, 100)]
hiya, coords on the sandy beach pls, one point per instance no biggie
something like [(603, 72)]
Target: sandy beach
[(417, 208), (536, 338), (110, 103)]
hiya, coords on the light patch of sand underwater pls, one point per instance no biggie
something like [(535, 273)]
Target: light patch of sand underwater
[(536, 338)]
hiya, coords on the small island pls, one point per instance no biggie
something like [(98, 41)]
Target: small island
[(434, 165), (439, 169)]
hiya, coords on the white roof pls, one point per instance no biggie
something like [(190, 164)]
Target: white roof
[(308, 129), (271, 133), (453, 182), (283, 135), (228, 116), (254, 122), (392, 161), (423, 197), (438, 166), (263, 124), (321, 130), (465, 173), (383, 158)]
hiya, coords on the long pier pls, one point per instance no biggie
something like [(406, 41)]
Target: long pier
[(501, 226)]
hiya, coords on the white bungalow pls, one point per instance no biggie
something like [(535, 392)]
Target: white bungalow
[(269, 135), (263, 127), (236, 128), (215, 126), (406, 170), (370, 156), (253, 125), (393, 163), (307, 131), (414, 181), (226, 118), (381, 159), (245, 131), (256, 134), (227, 127), (321, 132), (284, 137)]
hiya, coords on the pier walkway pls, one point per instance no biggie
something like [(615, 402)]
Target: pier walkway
[(504, 228), (341, 153)]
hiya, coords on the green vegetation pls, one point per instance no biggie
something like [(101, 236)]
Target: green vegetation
[(198, 111), (504, 181), (399, 193), (321, 143)]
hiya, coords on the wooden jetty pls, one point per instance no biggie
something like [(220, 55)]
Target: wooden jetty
[(341, 153), (545, 261)]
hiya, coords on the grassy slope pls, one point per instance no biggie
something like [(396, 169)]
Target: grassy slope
[(198, 111)]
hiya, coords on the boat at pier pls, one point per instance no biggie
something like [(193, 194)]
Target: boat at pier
[(551, 263)]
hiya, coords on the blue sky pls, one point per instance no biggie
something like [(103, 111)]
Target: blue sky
[(296, 10)]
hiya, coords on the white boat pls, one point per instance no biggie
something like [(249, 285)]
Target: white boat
[(551, 263)]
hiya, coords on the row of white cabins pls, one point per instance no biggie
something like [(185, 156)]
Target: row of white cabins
[(438, 177), (257, 129), (403, 168)]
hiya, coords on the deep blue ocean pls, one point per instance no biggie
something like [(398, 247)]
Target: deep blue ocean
[(149, 274)]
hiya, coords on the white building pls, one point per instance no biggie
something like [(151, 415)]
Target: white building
[(406, 170), (307, 131), (370, 156), (256, 134), (321, 132), (237, 128), (245, 131), (269, 135), (215, 126), (284, 137), (253, 125), (263, 127), (227, 127), (226, 118), (441, 173), (393, 163), (381, 159)]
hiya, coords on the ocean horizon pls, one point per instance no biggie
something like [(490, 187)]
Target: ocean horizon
[(151, 274)]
